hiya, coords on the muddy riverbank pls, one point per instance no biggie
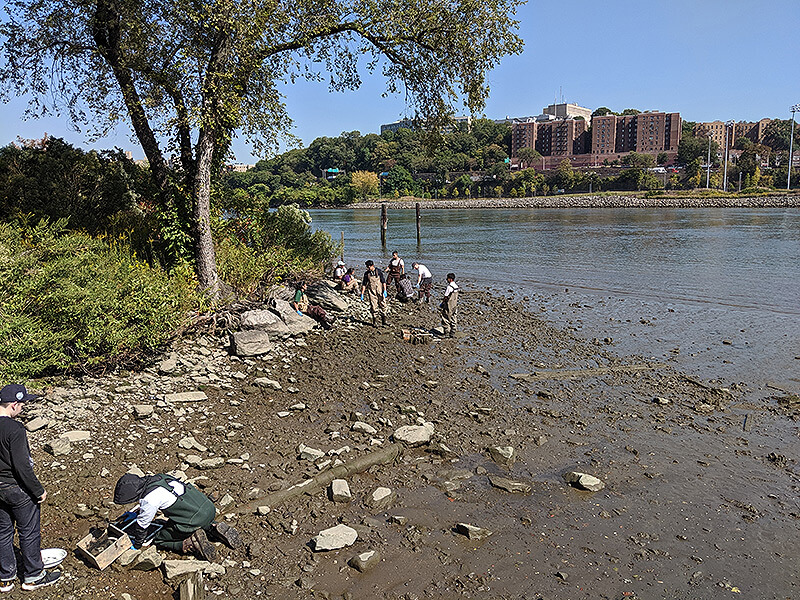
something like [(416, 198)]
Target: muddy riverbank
[(701, 477)]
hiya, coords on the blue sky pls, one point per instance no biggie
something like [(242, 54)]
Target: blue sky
[(707, 59)]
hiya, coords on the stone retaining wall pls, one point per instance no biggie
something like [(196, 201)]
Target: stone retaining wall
[(617, 201)]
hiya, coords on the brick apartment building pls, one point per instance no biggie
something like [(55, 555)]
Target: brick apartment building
[(716, 130), (612, 137)]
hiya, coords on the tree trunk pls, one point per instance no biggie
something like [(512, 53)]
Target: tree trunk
[(205, 258)]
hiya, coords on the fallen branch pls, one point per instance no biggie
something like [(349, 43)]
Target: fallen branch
[(310, 486), (589, 372)]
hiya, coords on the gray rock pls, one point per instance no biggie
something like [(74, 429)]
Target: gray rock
[(365, 561), (335, 538), (37, 423), (540, 440), (58, 447), (186, 397), (381, 497), (211, 463), (339, 491), (509, 485), (503, 455), (584, 481), (77, 435), (177, 568), (148, 559), (361, 427), (266, 382), (143, 411), (323, 294), (414, 435), (189, 443), (192, 588), (309, 453), (265, 320), (252, 342), (472, 532), (128, 557), (297, 324), (168, 365)]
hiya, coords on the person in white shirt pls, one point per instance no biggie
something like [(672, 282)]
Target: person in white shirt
[(424, 281), (449, 306), (339, 271)]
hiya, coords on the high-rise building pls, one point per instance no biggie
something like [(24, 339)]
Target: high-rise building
[(648, 132)]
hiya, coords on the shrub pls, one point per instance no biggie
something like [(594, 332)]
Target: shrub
[(69, 301), (258, 248)]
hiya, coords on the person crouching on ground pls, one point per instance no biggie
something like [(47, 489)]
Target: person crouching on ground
[(189, 512), (449, 306), (349, 283), (303, 306), (21, 496), (339, 271), (424, 281)]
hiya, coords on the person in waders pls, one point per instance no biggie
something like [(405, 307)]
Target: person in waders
[(449, 306), (397, 268), (374, 283), (189, 512)]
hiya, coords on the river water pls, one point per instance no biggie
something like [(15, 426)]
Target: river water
[(713, 291)]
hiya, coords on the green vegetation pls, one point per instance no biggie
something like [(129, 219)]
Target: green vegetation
[(70, 302), (93, 274)]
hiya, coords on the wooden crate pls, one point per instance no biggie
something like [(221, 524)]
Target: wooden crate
[(101, 550)]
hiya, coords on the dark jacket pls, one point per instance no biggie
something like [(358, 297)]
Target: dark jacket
[(16, 465)]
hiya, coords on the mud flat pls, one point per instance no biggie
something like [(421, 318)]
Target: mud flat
[(699, 478)]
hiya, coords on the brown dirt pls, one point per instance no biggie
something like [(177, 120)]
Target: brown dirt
[(694, 506)]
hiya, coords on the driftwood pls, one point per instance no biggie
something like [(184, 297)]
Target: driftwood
[(573, 373), (705, 386), (310, 486)]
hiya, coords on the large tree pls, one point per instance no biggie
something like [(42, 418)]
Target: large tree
[(189, 74)]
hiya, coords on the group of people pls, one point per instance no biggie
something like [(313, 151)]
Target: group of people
[(188, 513), (375, 281)]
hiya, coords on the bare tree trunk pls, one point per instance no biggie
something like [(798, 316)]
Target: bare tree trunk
[(205, 258)]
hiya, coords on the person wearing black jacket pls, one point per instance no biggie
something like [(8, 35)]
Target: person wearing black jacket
[(21, 494)]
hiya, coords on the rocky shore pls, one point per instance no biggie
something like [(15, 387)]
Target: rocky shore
[(515, 461), (597, 201)]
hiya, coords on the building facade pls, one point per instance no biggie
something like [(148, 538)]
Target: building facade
[(743, 129)]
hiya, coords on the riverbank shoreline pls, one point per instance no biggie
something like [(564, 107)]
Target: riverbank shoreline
[(692, 499), (588, 201)]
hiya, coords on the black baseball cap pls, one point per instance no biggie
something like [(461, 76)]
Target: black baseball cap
[(14, 392)]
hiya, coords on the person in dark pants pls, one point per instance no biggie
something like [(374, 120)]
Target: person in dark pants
[(301, 304), (397, 268), (21, 495), (189, 514)]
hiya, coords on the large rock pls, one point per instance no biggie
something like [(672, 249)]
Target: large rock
[(381, 497), (335, 538), (252, 342), (503, 455), (297, 324), (148, 559), (340, 491), (186, 397), (414, 435), (472, 532), (266, 382), (264, 320), (77, 435), (177, 568), (308, 453), (143, 411), (365, 561), (509, 485), (584, 481), (37, 423), (323, 294), (362, 427), (58, 447)]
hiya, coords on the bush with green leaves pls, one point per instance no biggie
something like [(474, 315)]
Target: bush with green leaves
[(71, 302), (260, 247)]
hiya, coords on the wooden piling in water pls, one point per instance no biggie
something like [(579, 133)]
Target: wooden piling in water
[(342, 246), (419, 238), (384, 223)]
